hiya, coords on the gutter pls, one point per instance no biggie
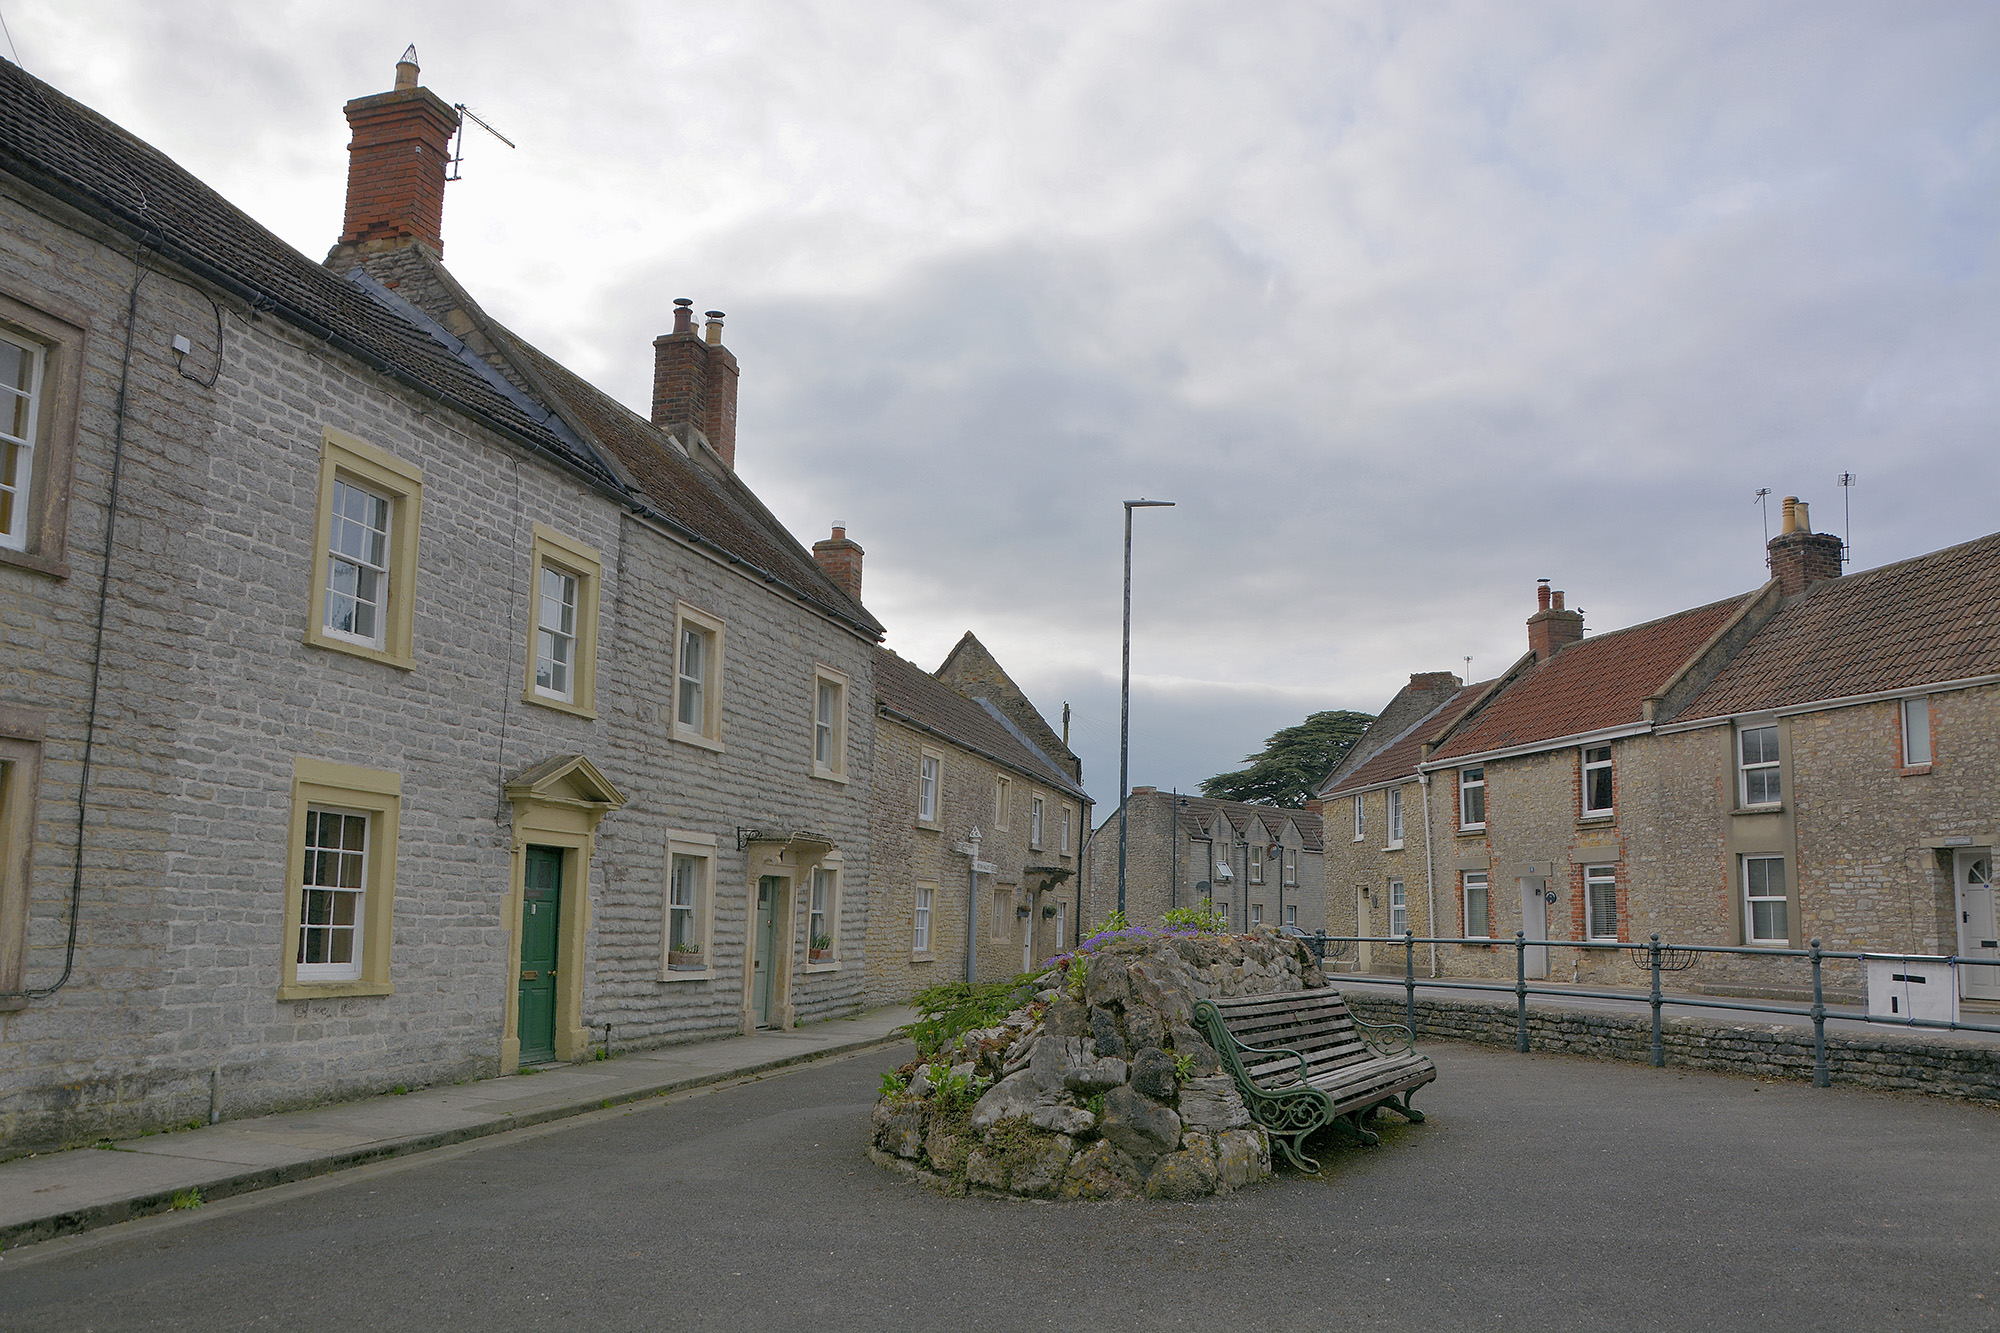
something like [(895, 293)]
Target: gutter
[(1838, 701), (1538, 747)]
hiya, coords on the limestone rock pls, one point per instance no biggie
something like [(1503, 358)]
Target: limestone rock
[(1105, 980), (1145, 1027), (1012, 1096), (983, 1168), (1104, 1030), (920, 1082), (946, 1151), (1242, 1156), (1139, 1125), (1212, 1105), (1153, 1074), (1043, 1174), (899, 1128), (1066, 1018), (1102, 1171), (1162, 988), (1187, 1041), (1062, 1118), (1187, 1174), (1097, 1076)]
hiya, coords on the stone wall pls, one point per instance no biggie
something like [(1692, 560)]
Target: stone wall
[(1937, 1068)]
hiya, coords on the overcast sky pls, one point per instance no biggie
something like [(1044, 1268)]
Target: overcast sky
[(1405, 305)]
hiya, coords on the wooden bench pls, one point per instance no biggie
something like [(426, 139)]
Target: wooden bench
[(1302, 1061)]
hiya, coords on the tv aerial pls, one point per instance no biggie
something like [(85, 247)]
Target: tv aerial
[(458, 141)]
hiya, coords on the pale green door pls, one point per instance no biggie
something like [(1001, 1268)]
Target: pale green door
[(765, 965)]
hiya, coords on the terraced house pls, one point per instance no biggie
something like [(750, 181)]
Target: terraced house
[(1254, 865), (1811, 760), (382, 703)]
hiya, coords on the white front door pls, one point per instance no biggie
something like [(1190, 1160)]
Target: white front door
[(1977, 937), (1028, 939), (1535, 925)]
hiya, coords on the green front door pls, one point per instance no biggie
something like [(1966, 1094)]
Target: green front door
[(769, 889), (541, 908)]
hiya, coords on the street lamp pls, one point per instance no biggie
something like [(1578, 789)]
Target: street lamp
[(1125, 693)]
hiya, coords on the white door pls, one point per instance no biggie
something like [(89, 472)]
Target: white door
[(1028, 939), (1977, 937), (1364, 953), (1535, 925)]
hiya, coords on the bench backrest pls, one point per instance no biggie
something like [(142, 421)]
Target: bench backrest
[(1315, 1023)]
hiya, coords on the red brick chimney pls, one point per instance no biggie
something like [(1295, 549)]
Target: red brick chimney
[(840, 560), (1551, 628), (694, 383), (1799, 556), (396, 166)]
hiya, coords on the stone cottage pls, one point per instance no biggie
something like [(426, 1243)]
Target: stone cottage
[(1255, 865)]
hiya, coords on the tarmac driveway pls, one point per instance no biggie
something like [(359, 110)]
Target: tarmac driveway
[(1545, 1192)]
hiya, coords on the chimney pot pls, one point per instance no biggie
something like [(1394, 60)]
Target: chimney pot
[(1541, 594), (713, 330), (406, 68), (683, 315), (1800, 557), (1553, 627), (694, 383), (1558, 600)]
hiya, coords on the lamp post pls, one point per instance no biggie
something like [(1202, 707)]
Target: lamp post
[(1125, 692)]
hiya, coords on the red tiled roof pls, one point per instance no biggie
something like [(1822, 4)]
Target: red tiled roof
[(1591, 685), (1932, 618), (1400, 757)]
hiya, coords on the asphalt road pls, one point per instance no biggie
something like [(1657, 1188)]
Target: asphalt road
[(1544, 1192)]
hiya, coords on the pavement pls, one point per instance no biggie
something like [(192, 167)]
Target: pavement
[(53, 1194), (1544, 1192)]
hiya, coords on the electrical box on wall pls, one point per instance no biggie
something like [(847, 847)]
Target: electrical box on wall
[(1926, 990)]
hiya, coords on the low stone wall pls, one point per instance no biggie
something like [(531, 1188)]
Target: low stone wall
[(1905, 1064)]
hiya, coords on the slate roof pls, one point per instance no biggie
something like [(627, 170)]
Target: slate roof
[(1399, 759), (1920, 621), (906, 691), (1591, 685), (1197, 814), (67, 150)]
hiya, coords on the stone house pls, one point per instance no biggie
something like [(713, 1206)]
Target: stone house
[(382, 703), (1257, 865), (948, 770), (1811, 760)]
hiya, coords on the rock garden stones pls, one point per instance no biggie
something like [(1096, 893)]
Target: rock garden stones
[(1098, 1088)]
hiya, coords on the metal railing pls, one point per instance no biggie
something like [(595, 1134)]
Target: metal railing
[(1658, 958)]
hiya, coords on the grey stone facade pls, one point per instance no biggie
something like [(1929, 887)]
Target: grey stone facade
[(1172, 846)]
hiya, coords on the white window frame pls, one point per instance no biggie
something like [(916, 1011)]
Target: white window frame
[(1292, 915), (1221, 910), (1037, 814), (1290, 873), (925, 905), (1596, 880), (1399, 908), (1467, 785), (380, 569), (1771, 769), (1744, 878), (571, 559), (699, 848), (1256, 915), (557, 589), (1360, 832), (398, 486), (1063, 940), (1480, 880), (1914, 718), (1590, 769), (822, 902), (17, 496), (930, 786), (319, 786), (829, 732), (1067, 816), (1003, 802), (705, 731), (1256, 862), (356, 928), (1394, 800)]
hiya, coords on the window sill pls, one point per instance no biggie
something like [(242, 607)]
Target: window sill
[(400, 661), (674, 974), (1395, 846), (833, 966), (930, 826), (1598, 817), (696, 739), (40, 564), (1472, 830), (334, 990), (828, 775), (923, 958), (1913, 771), (560, 705), (1777, 808)]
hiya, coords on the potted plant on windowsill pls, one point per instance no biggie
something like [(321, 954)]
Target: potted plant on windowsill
[(686, 957), (820, 950)]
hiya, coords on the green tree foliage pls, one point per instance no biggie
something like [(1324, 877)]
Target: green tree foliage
[(1293, 762)]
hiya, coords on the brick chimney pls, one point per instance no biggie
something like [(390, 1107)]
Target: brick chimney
[(694, 384), (1799, 556), (1551, 628), (840, 560), (396, 166)]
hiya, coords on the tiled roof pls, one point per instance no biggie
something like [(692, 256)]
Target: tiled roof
[(907, 691), (1917, 622), (1198, 813), (1591, 685), (1399, 759), (68, 150)]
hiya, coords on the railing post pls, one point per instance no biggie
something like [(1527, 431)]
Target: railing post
[(1410, 981), (1521, 989), (1821, 1077), (1319, 947), (1659, 1051)]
